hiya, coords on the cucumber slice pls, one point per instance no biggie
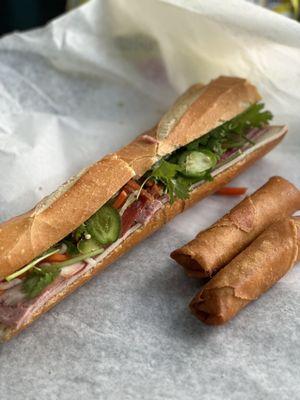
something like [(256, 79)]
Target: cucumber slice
[(105, 225), (194, 163), (87, 246)]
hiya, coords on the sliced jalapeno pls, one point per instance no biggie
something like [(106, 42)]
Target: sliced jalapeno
[(85, 246), (105, 225), (194, 163)]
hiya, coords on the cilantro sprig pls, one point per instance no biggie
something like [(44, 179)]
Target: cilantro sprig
[(165, 172), (176, 184), (31, 265), (40, 277), (230, 135)]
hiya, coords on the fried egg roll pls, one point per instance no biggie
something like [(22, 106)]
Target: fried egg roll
[(256, 269), (216, 246)]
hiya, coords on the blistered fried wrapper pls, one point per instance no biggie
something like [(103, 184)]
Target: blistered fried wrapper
[(216, 246), (250, 274)]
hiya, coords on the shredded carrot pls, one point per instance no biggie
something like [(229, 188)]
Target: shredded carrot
[(231, 191), (56, 258), (133, 185), (120, 200)]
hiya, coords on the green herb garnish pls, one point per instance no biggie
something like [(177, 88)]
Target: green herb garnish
[(232, 134), (177, 173), (31, 265), (166, 172), (40, 277)]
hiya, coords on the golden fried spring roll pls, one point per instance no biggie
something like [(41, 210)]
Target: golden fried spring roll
[(250, 274), (216, 246)]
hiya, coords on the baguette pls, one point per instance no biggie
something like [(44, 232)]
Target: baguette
[(25, 237)]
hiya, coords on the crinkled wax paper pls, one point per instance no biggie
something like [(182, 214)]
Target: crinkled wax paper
[(87, 84)]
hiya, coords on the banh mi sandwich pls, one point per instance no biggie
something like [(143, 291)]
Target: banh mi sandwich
[(251, 273), (210, 135), (220, 243)]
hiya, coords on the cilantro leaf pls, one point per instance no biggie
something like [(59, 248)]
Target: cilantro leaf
[(176, 184), (38, 279), (183, 184), (232, 134), (165, 173), (181, 188), (165, 170), (254, 117), (42, 276)]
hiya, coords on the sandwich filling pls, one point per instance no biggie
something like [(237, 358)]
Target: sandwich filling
[(173, 177)]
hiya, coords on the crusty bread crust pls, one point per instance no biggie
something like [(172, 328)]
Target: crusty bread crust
[(214, 106), (159, 219), (25, 237), (218, 102)]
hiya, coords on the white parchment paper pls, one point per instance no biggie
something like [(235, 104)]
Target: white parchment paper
[(87, 84)]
